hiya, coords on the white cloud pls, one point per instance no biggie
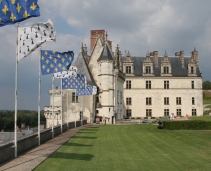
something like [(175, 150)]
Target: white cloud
[(136, 25)]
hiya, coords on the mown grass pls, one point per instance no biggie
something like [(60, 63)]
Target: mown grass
[(203, 118), (206, 101), (133, 148), (209, 106)]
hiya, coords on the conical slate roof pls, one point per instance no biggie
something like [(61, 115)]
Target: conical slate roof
[(106, 54), (80, 63)]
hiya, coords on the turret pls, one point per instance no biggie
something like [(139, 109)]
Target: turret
[(106, 80)]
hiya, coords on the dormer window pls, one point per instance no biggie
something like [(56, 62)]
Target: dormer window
[(166, 70), (128, 65), (192, 70), (148, 69), (191, 67), (128, 69)]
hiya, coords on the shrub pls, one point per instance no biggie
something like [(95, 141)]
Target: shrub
[(207, 112), (188, 124)]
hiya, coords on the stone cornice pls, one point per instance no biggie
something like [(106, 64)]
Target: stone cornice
[(159, 77)]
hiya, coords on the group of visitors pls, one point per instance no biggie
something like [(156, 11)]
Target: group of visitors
[(171, 117)]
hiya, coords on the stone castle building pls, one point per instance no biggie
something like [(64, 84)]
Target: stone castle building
[(131, 87)]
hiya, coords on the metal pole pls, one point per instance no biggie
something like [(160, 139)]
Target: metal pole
[(39, 91), (75, 108), (16, 96), (53, 107), (82, 112), (61, 107), (67, 112)]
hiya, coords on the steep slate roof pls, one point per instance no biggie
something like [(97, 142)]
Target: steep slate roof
[(80, 63), (106, 54), (176, 66)]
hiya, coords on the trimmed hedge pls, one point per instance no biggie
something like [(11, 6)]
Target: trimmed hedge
[(188, 124)]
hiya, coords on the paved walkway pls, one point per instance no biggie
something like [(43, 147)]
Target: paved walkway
[(34, 157)]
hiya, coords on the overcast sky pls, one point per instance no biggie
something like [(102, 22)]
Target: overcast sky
[(137, 26)]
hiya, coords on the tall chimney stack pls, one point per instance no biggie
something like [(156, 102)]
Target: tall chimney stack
[(155, 55), (195, 55), (182, 58), (93, 37)]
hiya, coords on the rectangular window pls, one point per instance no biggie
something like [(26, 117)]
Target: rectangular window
[(148, 112), (179, 112), (193, 101), (166, 100), (128, 69), (148, 70), (193, 112), (128, 84), (121, 97), (148, 84), (166, 112), (192, 84), (73, 97), (128, 112), (166, 84), (178, 101), (166, 70), (128, 101), (192, 70), (148, 101)]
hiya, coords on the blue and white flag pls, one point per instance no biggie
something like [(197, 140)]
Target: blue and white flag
[(88, 91), (78, 82), (53, 62), (72, 72), (30, 38), (13, 11)]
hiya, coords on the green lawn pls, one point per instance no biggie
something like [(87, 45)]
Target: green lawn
[(209, 106), (203, 118), (207, 101), (133, 147)]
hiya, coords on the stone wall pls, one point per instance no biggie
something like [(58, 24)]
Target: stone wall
[(30, 141)]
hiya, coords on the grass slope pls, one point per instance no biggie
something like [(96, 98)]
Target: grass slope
[(207, 101), (133, 148)]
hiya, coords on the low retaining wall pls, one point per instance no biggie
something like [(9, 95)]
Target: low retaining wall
[(28, 142)]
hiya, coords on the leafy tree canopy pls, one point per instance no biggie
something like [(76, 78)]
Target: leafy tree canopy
[(206, 85)]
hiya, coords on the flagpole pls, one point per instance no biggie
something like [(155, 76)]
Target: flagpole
[(75, 108), (82, 110), (16, 96), (53, 107), (39, 92), (67, 111), (61, 107)]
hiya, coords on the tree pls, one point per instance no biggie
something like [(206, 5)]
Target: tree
[(206, 85)]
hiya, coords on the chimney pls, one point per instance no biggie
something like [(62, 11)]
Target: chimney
[(195, 56), (155, 55), (93, 37), (182, 57), (177, 54)]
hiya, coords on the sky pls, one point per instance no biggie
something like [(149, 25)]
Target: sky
[(136, 26)]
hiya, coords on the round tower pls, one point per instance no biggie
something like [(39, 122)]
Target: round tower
[(106, 80)]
